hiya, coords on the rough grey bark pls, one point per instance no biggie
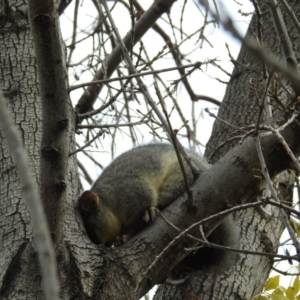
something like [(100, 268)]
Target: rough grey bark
[(20, 274), (88, 271), (19, 84), (56, 110)]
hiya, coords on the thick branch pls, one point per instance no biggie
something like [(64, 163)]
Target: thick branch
[(55, 111)]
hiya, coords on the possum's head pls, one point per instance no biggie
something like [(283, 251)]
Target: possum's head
[(89, 202), (101, 225)]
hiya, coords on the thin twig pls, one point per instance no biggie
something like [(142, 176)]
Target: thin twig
[(174, 141), (74, 34), (283, 206), (282, 140), (223, 121), (87, 176), (291, 14), (285, 273), (266, 175), (131, 76), (263, 105), (88, 143), (283, 35)]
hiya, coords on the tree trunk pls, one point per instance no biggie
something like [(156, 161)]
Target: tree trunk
[(20, 274), (89, 271)]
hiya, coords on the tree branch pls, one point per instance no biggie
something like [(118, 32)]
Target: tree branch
[(55, 111)]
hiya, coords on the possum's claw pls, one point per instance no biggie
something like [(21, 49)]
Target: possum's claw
[(150, 214), (121, 239)]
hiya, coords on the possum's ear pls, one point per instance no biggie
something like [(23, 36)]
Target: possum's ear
[(89, 201)]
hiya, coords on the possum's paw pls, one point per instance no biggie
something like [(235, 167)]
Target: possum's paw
[(150, 214), (121, 239)]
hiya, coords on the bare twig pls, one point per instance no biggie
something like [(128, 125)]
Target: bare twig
[(105, 105), (223, 121), (291, 14), (107, 80), (266, 175), (87, 176), (285, 273), (143, 120), (263, 105), (88, 143), (282, 140), (74, 35), (283, 35), (283, 206), (174, 141)]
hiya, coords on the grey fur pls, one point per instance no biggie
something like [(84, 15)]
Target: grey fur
[(144, 177)]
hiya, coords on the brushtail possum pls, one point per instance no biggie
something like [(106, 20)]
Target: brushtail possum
[(131, 187), (126, 194)]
